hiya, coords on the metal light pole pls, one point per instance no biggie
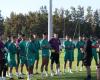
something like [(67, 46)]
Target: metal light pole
[(50, 21)]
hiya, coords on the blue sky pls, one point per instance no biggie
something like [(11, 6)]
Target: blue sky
[(24, 6)]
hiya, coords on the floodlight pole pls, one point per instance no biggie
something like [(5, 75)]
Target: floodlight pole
[(50, 21)]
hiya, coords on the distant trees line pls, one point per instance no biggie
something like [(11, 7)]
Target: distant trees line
[(73, 22)]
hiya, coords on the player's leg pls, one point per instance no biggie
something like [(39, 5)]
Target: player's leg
[(65, 66), (57, 63), (96, 58), (78, 61), (12, 65), (10, 74), (88, 72), (37, 62), (87, 63), (4, 72), (70, 66), (7, 73), (82, 57), (70, 61), (30, 65), (22, 65), (46, 66), (17, 64), (42, 67), (30, 72), (52, 62), (21, 72)]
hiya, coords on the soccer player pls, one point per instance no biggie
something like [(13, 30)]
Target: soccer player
[(31, 50), (11, 55), (80, 46), (45, 46), (94, 51), (18, 59), (22, 54), (37, 47), (69, 53), (3, 67), (6, 45), (55, 51)]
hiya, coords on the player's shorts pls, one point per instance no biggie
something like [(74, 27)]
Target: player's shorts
[(36, 56), (55, 57), (80, 56), (12, 63), (23, 60), (31, 61), (94, 54), (69, 56)]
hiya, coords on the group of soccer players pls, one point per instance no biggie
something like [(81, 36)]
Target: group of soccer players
[(22, 51)]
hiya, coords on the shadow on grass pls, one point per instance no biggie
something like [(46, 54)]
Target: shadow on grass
[(66, 78)]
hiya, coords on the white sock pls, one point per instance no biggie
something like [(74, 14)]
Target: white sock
[(52, 73), (7, 74), (46, 74), (68, 69), (10, 75), (31, 75), (81, 69), (58, 70), (77, 68), (17, 74), (28, 77)]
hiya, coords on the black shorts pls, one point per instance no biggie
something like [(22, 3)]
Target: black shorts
[(54, 58), (87, 60)]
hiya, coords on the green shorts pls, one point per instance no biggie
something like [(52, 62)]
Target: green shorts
[(12, 63), (31, 61), (36, 56), (94, 54), (80, 56), (23, 60), (46, 56), (69, 56)]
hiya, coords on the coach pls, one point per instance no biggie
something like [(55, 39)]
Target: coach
[(88, 58), (55, 43)]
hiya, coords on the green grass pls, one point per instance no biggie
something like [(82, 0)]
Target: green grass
[(67, 76)]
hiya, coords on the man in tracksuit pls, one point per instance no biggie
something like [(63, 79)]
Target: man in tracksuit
[(55, 53), (3, 67), (88, 58)]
